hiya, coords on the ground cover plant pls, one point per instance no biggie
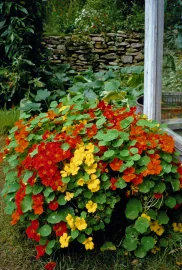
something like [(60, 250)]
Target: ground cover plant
[(75, 171), (123, 85)]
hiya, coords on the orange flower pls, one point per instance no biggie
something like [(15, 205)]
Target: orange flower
[(15, 217), (22, 146), (136, 131), (19, 124), (116, 164), (129, 174), (153, 167), (167, 143), (51, 114)]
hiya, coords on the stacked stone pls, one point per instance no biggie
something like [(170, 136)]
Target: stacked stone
[(97, 50)]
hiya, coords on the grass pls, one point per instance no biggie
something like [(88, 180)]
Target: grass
[(8, 118), (18, 253)]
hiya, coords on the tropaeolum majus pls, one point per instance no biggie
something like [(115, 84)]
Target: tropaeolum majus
[(68, 168)]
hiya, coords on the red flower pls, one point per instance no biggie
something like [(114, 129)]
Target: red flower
[(92, 131), (38, 201), (53, 205), (102, 166), (137, 180), (157, 195), (177, 205), (46, 135), (113, 182), (40, 251), (60, 228), (50, 266), (31, 231)]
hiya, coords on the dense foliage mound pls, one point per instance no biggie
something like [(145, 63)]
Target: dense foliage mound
[(70, 168)]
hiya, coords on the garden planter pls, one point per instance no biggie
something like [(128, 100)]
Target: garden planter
[(171, 105)]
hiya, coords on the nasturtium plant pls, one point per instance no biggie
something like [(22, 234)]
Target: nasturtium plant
[(69, 169)]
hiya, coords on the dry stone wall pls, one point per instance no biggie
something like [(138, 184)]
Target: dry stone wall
[(96, 50)]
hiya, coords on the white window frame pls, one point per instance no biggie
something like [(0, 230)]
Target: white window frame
[(153, 57)]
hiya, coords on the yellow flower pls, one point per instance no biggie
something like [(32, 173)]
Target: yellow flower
[(67, 128), (89, 160), (95, 189), (160, 231), (83, 121), (91, 207), (64, 117), (64, 240), (70, 221), (154, 250), (69, 196), (88, 243), (74, 168), (91, 169), (90, 147), (81, 182), (79, 156), (63, 108), (93, 183), (177, 227), (155, 227), (62, 188), (145, 216), (80, 223), (66, 170)]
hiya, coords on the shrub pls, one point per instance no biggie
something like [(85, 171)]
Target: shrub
[(73, 169), (22, 53)]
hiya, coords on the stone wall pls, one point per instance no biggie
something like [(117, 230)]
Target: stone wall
[(96, 50)]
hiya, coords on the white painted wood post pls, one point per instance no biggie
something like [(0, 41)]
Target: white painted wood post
[(154, 32)]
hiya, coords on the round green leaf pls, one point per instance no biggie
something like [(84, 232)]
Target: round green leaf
[(81, 238), (101, 121), (54, 218), (110, 135), (124, 153), (146, 186), (74, 234), (45, 230), (108, 246), (27, 203), (130, 243), (163, 218), (120, 183), (61, 200), (26, 176), (141, 224), (37, 189), (170, 202), (159, 187), (134, 150), (136, 157), (10, 207), (175, 183), (140, 252), (131, 213), (117, 143), (148, 242), (126, 122), (163, 242), (109, 153), (144, 161)]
